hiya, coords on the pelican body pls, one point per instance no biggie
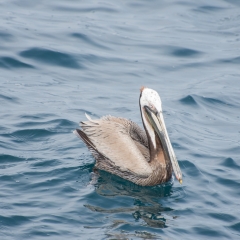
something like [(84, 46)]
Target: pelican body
[(122, 148)]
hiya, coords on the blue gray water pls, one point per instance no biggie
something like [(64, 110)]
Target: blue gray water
[(60, 59)]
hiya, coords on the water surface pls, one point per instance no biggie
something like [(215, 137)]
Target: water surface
[(60, 59)]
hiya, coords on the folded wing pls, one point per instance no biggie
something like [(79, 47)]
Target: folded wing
[(119, 141)]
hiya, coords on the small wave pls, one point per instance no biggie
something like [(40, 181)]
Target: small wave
[(189, 100), (5, 158), (37, 116), (56, 123), (196, 100), (235, 60), (88, 40), (51, 57), (235, 227), (86, 10), (8, 63), (222, 216), (230, 163), (9, 98), (208, 8), (213, 101), (183, 52), (5, 36), (229, 183), (207, 231), (31, 134), (14, 220), (190, 168)]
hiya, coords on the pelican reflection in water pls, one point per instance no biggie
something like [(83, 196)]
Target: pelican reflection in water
[(122, 148)]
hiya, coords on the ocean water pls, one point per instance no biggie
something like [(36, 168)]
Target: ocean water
[(60, 59)]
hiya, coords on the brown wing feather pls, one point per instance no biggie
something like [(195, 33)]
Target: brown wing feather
[(89, 144), (111, 137)]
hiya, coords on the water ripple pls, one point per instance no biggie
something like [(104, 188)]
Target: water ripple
[(51, 57), (88, 40), (184, 52), (230, 163), (189, 100), (61, 59), (5, 36), (8, 63), (209, 8), (9, 99), (235, 60), (87, 9)]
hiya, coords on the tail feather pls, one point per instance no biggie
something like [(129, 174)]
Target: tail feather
[(98, 156), (79, 133)]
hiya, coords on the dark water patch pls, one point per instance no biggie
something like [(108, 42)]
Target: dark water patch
[(208, 232), (4, 130), (93, 58), (235, 60), (87, 10), (31, 134), (52, 57), (10, 63), (201, 156), (14, 220), (88, 40), (189, 168), (49, 170), (88, 167), (8, 98), (151, 215), (108, 185), (56, 123), (69, 190), (208, 8), (38, 116), (64, 123), (222, 216), (44, 185), (54, 168), (102, 98), (46, 163), (4, 158), (189, 100), (43, 233), (52, 219), (183, 52), (230, 163), (5, 36), (228, 183), (235, 227), (211, 101), (6, 178)]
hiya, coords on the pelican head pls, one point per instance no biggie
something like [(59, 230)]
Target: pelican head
[(152, 116)]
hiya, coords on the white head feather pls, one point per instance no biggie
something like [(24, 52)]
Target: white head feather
[(150, 98)]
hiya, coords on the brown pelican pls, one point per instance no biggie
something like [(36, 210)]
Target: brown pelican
[(122, 148)]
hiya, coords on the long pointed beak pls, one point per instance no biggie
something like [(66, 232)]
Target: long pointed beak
[(160, 128)]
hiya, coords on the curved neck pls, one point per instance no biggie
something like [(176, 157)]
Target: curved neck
[(151, 135), (157, 154)]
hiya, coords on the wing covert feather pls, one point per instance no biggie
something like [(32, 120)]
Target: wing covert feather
[(112, 137)]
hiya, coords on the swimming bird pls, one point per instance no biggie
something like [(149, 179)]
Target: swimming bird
[(123, 148)]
